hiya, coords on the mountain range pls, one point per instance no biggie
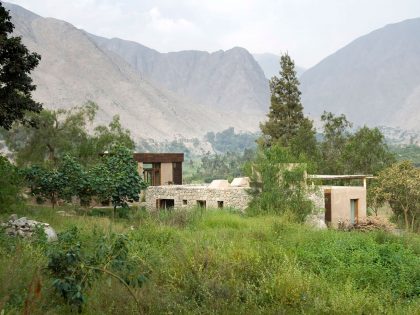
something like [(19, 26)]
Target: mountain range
[(195, 93), (374, 80)]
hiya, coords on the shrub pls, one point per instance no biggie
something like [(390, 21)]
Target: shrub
[(11, 184), (278, 184)]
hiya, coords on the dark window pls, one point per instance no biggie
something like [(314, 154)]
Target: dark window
[(165, 203), (220, 204), (201, 203), (184, 202)]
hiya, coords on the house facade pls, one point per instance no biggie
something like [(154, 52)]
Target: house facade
[(341, 204), (160, 168)]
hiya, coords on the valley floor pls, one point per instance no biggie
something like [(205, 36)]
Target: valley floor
[(219, 262)]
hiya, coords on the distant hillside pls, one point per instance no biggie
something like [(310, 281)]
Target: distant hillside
[(75, 68), (374, 80), (270, 64), (229, 79)]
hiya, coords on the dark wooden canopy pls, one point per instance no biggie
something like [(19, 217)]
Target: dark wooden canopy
[(159, 157)]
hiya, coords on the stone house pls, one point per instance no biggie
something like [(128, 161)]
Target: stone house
[(218, 194), (163, 171)]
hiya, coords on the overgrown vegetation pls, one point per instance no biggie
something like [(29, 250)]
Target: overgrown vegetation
[(211, 262), (218, 166), (65, 132), (113, 178), (399, 185), (279, 186), (228, 141), (11, 184)]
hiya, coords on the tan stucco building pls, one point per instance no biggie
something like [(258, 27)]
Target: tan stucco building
[(341, 204)]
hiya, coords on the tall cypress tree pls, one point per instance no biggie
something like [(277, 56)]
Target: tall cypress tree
[(286, 111), (16, 62)]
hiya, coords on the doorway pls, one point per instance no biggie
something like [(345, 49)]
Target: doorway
[(354, 211), (327, 204)]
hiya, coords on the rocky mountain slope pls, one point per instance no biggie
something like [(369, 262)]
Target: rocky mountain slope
[(374, 80), (229, 79), (74, 69)]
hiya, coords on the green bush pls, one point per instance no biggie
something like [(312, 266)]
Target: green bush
[(278, 184), (11, 185)]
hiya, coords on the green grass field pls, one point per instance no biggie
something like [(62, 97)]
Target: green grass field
[(218, 262)]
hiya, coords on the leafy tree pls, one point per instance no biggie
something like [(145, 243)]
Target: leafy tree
[(278, 183), (45, 183), (286, 111), (304, 143), (60, 132), (16, 62), (64, 132), (77, 179), (117, 178), (366, 152), (11, 184), (399, 185), (104, 139), (336, 134)]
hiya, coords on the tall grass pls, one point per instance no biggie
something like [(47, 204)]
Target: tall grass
[(217, 262)]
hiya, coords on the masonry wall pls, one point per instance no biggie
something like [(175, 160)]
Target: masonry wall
[(186, 196)]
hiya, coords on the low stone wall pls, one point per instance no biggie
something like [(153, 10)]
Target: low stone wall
[(187, 196)]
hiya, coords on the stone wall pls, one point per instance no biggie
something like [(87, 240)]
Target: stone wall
[(187, 196)]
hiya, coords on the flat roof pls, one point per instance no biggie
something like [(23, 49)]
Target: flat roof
[(332, 177), (159, 157)]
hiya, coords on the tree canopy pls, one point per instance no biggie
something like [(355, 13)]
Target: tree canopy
[(399, 185), (62, 132), (286, 111), (16, 63)]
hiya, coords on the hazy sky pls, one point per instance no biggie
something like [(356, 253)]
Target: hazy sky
[(308, 29)]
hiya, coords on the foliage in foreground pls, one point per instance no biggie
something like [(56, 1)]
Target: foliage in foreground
[(278, 183), (11, 183), (216, 262)]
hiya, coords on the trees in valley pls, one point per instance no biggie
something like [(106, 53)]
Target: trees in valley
[(114, 177), (62, 132)]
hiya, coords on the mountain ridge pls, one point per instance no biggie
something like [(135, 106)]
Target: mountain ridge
[(374, 80), (74, 69)]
